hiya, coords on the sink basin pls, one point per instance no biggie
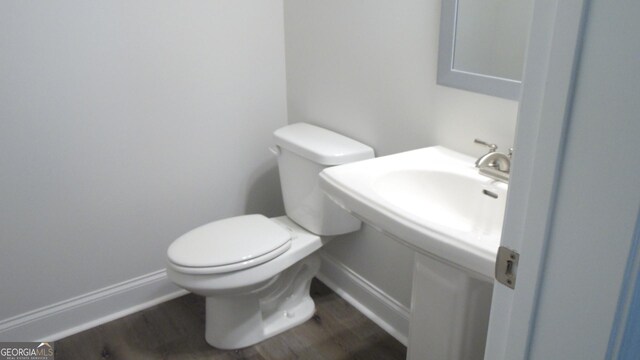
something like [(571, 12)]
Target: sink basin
[(432, 199), (459, 202)]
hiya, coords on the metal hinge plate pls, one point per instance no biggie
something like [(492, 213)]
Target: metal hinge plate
[(507, 266)]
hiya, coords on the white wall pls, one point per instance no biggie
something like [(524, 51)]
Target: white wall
[(124, 124), (367, 69)]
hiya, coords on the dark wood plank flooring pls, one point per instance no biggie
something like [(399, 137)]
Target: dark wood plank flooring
[(175, 330)]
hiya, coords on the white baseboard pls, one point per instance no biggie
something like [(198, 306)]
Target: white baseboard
[(374, 303), (71, 316), (56, 321)]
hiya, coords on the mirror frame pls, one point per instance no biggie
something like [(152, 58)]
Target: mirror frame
[(449, 76)]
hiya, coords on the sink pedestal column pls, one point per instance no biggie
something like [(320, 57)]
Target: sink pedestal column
[(449, 312)]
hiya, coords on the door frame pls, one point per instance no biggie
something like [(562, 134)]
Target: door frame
[(552, 60)]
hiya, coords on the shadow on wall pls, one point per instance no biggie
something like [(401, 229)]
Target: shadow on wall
[(265, 195)]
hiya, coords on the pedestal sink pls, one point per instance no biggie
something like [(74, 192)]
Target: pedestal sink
[(435, 201)]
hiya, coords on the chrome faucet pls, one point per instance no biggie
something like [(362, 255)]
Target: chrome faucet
[(493, 164)]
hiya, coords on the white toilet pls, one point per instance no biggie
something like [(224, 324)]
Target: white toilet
[(254, 271)]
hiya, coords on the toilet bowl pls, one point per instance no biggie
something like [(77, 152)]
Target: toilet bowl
[(255, 272), (249, 305)]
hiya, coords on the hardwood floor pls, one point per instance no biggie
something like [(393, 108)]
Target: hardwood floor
[(175, 330)]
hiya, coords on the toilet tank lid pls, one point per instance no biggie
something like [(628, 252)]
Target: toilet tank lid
[(320, 145)]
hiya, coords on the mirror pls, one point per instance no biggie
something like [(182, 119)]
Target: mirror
[(482, 45)]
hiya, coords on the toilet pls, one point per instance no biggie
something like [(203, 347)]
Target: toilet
[(255, 271)]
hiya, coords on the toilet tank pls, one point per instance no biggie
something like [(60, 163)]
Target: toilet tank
[(303, 152)]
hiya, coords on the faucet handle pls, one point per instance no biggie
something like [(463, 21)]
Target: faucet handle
[(492, 147), (510, 153)]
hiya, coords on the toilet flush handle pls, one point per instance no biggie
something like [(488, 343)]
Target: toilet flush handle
[(275, 150)]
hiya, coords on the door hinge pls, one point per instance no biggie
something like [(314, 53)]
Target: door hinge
[(507, 266)]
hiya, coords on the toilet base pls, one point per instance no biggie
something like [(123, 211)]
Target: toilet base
[(238, 321)]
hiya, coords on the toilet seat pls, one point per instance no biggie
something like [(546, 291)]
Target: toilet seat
[(229, 245)]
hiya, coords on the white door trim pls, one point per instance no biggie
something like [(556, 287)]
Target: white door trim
[(552, 58)]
